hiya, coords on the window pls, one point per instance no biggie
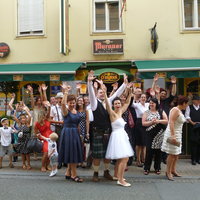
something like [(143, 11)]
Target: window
[(30, 17), (107, 16), (191, 14)]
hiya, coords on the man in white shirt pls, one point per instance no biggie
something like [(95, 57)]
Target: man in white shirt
[(57, 118)]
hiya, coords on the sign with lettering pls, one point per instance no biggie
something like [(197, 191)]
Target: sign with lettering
[(109, 46), (4, 50), (54, 77), (17, 77), (109, 77)]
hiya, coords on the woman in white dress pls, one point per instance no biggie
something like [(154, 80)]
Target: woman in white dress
[(119, 146), (173, 137)]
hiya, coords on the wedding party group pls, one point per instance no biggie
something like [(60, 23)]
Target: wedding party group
[(121, 126)]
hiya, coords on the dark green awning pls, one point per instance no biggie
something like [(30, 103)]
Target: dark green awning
[(38, 71), (179, 68)]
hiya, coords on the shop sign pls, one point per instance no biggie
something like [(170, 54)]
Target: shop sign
[(111, 46), (109, 77), (54, 77), (17, 77), (4, 50), (162, 74)]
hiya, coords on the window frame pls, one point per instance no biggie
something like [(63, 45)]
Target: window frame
[(31, 33), (107, 30), (196, 15)]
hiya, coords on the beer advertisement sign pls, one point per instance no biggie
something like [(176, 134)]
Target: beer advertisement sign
[(109, 77), (108, 46)]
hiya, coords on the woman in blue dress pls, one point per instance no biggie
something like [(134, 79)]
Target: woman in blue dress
[(70, 151)]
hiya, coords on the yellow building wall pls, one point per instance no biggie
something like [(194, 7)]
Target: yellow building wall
[(138, 18)]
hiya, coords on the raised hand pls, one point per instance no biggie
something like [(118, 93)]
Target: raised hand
[(91, 76), (13, 95), (29, 88), (173, 79), (65, 86), (115, 86), (78, 86), (44, 87), (152, 92), (125, 78), (40, 89), (46, 103), (156, 77)]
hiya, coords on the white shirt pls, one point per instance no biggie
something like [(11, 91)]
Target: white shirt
[(5, 135), (90, 113), (56, 113), (140, 109), (52, 146), (93, 99), (187, 111)]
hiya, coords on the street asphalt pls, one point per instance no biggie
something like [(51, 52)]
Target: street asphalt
[(19, 184)]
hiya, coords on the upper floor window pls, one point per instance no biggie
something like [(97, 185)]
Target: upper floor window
[(191, 14), (107, 16), (30, 17)]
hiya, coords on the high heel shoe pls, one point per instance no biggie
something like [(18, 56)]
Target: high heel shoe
[(168, 177)]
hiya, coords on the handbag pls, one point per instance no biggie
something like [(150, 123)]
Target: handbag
[(34, 145), (173, 141), (131, 122)]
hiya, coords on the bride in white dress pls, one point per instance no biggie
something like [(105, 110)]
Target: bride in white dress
[(174, 131), (119, 146)]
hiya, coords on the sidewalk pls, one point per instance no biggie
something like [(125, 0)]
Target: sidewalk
[(189, 172)]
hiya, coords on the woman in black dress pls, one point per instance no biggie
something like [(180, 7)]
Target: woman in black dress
[(24, 134)]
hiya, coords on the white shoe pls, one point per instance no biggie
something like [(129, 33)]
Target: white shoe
[(53, 173), (124, 185)]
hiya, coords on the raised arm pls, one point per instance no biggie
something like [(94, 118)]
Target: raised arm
[(120, 90), (173, 81), (128, 100), (30, 89), (115, 87), (10, 104), (92, 97), (65, 89), (44, 92), (26, 109)]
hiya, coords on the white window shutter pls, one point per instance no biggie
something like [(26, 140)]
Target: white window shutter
[(30, 16)]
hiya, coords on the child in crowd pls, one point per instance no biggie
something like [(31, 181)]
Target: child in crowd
[(52, 152), (5, 142)]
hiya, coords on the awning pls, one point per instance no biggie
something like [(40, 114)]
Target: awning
[(178, 68), (38, 71)]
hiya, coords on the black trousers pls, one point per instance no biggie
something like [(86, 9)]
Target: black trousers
[(150, 154), (58, 130), (195, 151)]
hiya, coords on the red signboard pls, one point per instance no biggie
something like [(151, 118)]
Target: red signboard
[(4, 50), (108, 46)]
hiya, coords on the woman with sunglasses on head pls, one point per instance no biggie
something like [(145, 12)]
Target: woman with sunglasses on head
[(155, 121)]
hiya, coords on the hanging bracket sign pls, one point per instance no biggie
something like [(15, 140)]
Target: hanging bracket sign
[(109, 77), (4, 50)]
